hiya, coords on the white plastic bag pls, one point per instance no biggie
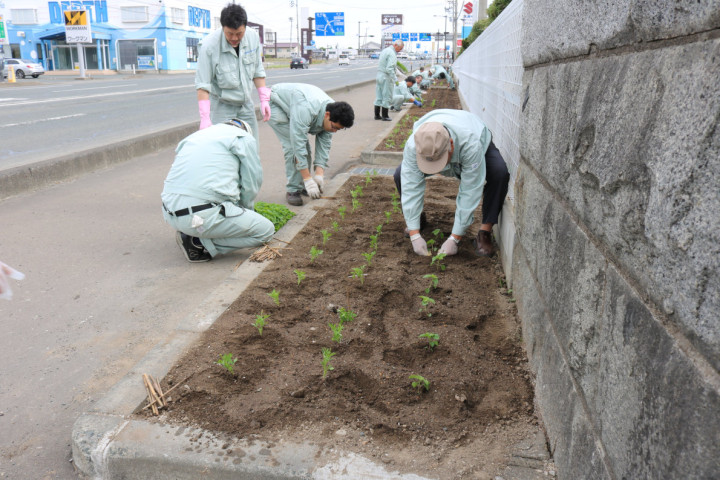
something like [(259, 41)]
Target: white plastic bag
[(7, 272)]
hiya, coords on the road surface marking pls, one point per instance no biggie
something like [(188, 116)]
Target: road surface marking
[(43, 120)]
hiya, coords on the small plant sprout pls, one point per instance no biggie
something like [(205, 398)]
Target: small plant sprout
[(300, 275), (433, 282), (335, 226), (359, 273), (419, 382), (346, 316), (357, 193), (327, 355), (275, 295), (378, 229), (260, 321), (387, 217), (368, 178), (437, 261), (337, 331), (227, 361), (426, 302), (437, 233), (314, 253), (341, 210), (356, 204), (432, 338), (326, 236), (373, 241), (431, 245), (369, 257)]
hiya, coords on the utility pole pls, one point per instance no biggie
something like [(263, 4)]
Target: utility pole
[(291, 33), (454, 37)]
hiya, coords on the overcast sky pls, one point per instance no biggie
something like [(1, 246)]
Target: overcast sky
[(417, 16)]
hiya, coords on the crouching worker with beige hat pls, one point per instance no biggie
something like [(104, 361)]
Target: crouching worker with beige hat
[(456, 144)]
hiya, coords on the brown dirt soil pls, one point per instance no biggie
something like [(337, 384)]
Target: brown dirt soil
[(480, 400), (443, 98)]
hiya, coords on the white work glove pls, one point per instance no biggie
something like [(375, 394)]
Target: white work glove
[(450, 246), (419, 244), (204, 108), (312, 188), (320, 181), (6, 272)]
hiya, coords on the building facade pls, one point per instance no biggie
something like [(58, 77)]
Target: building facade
[(126, 34)]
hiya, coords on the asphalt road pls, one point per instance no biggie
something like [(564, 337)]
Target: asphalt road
[(105, 281), (54, 115)]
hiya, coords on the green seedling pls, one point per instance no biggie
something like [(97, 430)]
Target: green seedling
[(378, 229), (260, 321), (387, 217), (432, 104), (437, 233), (346, 316), (368, 178), (359, 273), (431, 245), (419, 382), (314, 253), (227, 361), (326, 236), (374, 172), (356, 204), (432, 338), (327, 355), (373, 241), (335, 227), (275, 295), (437, 261), (341, 210), (501, 282), (426, 302), (390, 144), (300, 275), (357, 192), (433, 282), (337, 331), (277, 214), (369, 257)]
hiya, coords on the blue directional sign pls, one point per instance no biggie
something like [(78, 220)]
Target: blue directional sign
[(396, 36), (413, 37), (405, 37), (425, 37), (329, 24)]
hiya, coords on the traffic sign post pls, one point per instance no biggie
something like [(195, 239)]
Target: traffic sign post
[(330, 24)]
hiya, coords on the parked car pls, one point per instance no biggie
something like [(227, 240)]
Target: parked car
[(402, 55), (375, 55), (343, 59), (299, 62), (23, 67)]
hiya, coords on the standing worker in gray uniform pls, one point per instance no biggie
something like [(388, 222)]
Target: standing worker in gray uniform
[(456, 144), (299, 110), (210, 190), (229, 62), (385, 79)]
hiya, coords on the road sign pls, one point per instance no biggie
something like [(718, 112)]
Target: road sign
[(413, 37), (396, 36), (405, 37), (3, 40), (425, 37), (329, 24), (391, 19), (77, 26)]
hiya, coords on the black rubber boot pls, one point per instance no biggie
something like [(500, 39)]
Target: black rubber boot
[(377, 112), (385, 115)]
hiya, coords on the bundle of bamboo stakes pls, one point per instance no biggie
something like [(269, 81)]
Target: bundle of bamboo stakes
[(156, 397), (266, 253)]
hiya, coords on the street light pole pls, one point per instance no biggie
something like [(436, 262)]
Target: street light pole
[(359, 22)]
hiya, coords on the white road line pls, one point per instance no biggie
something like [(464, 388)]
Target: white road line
[(85, 97), (11, 99), (91, 88), (42, 120)]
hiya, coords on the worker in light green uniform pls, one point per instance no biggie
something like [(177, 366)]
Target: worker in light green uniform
[(456, 144), (385, 80), (402, 94), (210, 190), (439, 72), (414, 89), (425, 83), (229, 64), (299, 110)]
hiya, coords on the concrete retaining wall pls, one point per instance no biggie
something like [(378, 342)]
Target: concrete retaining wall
[(616, 265)]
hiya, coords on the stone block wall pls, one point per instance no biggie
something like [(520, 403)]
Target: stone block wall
[(616, 263)]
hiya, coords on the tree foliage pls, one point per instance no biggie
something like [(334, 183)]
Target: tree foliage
[(493, 11)]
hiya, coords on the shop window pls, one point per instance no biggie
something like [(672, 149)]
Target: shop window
[(24, 16), (192, 49), (134, 14)]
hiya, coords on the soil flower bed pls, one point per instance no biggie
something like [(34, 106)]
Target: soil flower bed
[(478, 399)]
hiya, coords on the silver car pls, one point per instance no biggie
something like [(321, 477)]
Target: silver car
[(23, 67)]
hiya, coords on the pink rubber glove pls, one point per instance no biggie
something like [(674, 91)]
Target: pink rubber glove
[(264, 94), (204, 107)]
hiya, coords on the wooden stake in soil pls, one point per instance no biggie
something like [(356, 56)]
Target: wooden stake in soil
[(152, 396)]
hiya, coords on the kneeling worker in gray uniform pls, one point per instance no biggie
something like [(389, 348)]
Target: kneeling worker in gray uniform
[(210, 191)]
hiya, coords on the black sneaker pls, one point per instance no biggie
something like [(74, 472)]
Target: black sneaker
[(193, 253), (294, 198)]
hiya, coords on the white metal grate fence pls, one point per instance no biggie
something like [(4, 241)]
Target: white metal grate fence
[(490, 80)]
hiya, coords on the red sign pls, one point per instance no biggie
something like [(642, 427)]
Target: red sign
[(467, 8)]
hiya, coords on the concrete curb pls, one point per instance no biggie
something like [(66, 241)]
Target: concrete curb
[(108, 444), (25, 178), (371, 156)]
